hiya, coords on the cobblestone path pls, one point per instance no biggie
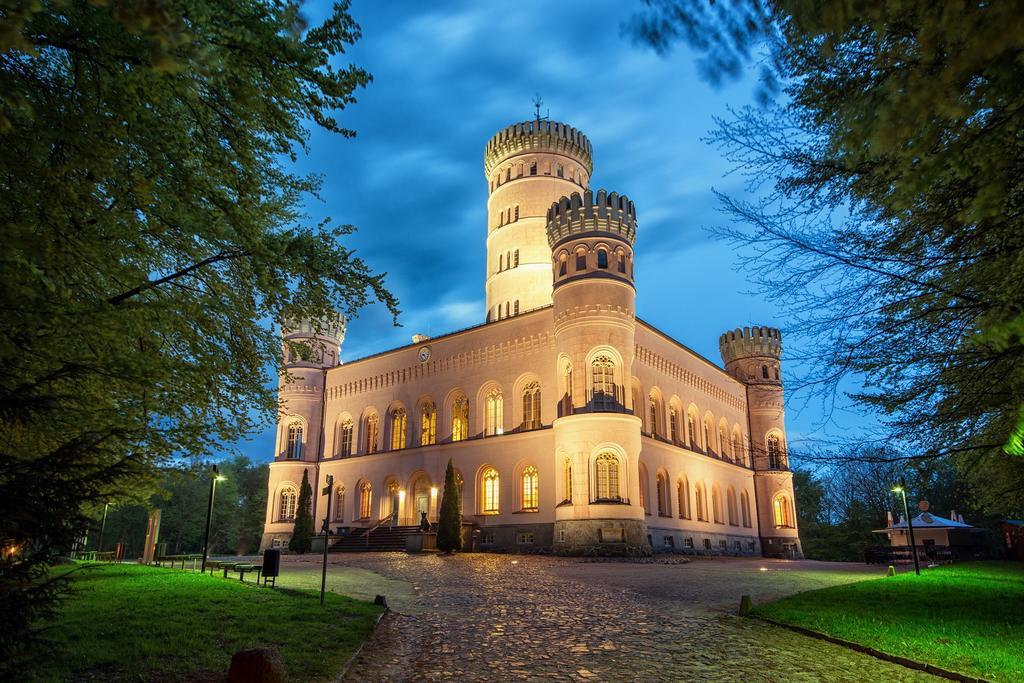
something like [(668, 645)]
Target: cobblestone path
[(499, 617)]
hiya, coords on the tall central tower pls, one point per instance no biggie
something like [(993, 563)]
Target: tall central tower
[(529, 166)]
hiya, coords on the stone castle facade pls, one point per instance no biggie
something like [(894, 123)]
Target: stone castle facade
[(571, 423)]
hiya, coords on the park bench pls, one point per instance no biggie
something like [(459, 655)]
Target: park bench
[(242, 569)]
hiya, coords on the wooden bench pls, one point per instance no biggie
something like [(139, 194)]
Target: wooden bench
[(242, 569)]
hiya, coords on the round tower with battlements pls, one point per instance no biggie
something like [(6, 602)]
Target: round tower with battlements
[(528, 166), (752, 355), (597, 437), (308, 349)]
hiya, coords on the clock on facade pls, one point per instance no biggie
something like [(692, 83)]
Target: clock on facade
[(424, 354)]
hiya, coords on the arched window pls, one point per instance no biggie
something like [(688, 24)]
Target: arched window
[(708, 444), (661, 485), (501, 262), (365, 499), (460, 419), (683, 494), (602, 258), (515, 307), (562, 264), (428, 424), (622, 262), (737, 448), (493, 411), (559, 171), (286, 510), (294, 451), (507, 309), (745, 508), (489, 481), (702, 510), (398, 423), (764, 371), (604, 389), (372, 433), (730, 504), (716, 504), (533, 168), (345, 439), (516, 214), (652, 409), (508, 174), (774, 448), (581, 260), (783, 516), (567, 481), (515, 254), (723, 442), (673, 424), (691, 427), (531, 406), (531, 498), (606, 477), (339, 504), (776, 372)]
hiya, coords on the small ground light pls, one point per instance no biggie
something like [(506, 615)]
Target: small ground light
[(763, 569)]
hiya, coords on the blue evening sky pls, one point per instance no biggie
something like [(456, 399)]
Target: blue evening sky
[(447, 76)]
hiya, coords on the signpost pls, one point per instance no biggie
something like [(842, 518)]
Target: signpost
[(326, 529)]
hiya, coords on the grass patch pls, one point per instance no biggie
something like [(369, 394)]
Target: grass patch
[(131, 622), (967, 618)]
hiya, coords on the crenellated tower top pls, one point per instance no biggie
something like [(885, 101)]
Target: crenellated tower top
[(538, 136), (752, 354), (305, 343), (604, 212)]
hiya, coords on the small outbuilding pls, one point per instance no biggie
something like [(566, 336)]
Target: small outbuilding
[(1012, 531), (938, 538)]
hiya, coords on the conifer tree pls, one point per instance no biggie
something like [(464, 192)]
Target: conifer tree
[(449, 528), (302, 535)]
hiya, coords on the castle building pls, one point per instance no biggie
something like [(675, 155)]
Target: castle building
[(571, 423)]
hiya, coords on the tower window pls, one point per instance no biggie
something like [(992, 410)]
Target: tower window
[(286, 510), (774, 448), (533, 168), (515, 309), (531, 406), (515, 256), (764, 371), (508, 174), (606, 477), (294, 451), (559, 171), (501, 262), (530, 498), (603, 378), (562, 265), (581, 260), (506, 309), (602, 258), (516, 212), (622, 262), (776, 373)]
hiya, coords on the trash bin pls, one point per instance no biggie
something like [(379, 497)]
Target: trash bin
[(271, 565)]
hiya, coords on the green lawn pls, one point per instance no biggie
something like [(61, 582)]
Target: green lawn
[(131, 622), (967, 618)]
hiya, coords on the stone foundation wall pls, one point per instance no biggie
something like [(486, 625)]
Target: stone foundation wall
[(702, 542), (573, 534)]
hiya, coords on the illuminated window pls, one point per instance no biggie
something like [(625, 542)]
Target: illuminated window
[(489, 479), (365, 498), (339, 504), (774, 448), (602, 258), (294, 450), (662, 491), (531, 406), (652, 409), (530, 496), (460, 419), (673, 424), (691, 427), (345, 439), (604, 389), (606, 476), (286, 511), (780, 507), (730, 504), (493, 412), (428, 424), (398, 423), (567, 481), (683, 494), (372, 433)]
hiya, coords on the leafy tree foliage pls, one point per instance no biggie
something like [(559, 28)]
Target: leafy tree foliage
[(302, 535), (153, 241), (449, 525), (889, 209)]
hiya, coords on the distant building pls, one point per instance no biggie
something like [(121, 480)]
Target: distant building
[(935, 535), (571, 423), (1012, 531)]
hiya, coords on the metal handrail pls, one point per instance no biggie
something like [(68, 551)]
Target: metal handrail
[(379, 524)]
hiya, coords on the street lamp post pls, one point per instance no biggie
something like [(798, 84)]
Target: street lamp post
[(901, 488), (103, 527), (209, 513)]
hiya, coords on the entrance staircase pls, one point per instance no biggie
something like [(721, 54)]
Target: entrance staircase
[(377, 539)]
